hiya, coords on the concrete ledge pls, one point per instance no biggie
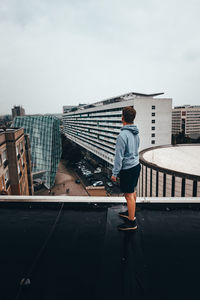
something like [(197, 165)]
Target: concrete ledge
[(86, 199)]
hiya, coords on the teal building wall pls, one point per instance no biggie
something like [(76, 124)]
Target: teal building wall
[(45, 141)]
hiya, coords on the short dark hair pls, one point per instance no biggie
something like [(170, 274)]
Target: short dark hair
[(129, 114)]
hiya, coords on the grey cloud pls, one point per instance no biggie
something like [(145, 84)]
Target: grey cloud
[(58, 52)]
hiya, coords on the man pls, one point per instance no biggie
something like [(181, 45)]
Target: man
[(127, 166)]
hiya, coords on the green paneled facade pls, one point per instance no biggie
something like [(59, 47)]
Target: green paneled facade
[(45, 140)]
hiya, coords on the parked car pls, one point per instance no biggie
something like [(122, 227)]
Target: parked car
[(98, 170), (86, 173), (89, 175), (37, 184), (98, 183), (77, 181), (109, 184), (92, 180)]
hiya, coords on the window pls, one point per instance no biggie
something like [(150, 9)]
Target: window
[(6, 176), (4, 155), (0, 160), (21, 146), (17, 150), (153, 114), (153, 141), (153, 107), (153, 121), (153, 135), (18, 167), (22, 160), (2, 182), (153, 128)]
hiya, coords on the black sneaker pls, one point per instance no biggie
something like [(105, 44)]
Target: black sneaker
[(124, 214), (129, 225)]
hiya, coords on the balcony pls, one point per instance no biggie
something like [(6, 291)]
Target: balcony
[(75, 252)]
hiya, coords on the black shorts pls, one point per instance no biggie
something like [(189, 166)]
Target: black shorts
[(129, 179)]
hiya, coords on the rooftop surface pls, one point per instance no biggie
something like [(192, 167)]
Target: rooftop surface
[(119, 98), (184, 159), (74, 251), (187, 106)]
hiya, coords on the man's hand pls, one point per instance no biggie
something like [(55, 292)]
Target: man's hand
[(114, 178)]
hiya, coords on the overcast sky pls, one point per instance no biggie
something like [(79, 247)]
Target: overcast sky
[(65, 52)]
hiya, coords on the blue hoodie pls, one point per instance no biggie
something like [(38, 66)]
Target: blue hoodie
[(126, 151)]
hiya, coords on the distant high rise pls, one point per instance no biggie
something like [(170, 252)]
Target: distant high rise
[(17, 111), (45, 142), (186, 119), (15, 179)]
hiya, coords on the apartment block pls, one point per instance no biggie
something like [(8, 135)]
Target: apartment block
[(4, 172), (186, 119), (95, 127), (13, 164)]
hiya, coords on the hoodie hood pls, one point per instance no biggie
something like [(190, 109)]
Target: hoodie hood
[(132, 128)]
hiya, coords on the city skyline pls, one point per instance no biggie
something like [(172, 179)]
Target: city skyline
[(55, 54)]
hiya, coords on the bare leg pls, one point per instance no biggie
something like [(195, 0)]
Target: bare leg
[(131, 204), (135, 196)]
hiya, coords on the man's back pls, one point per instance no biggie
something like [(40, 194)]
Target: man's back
[(127, 154)]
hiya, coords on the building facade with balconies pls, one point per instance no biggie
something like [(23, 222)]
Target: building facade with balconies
[(95, 127), (13, 164)]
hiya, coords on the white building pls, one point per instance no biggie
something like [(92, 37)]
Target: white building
[(186, 119), (95, 127), (170, 171)]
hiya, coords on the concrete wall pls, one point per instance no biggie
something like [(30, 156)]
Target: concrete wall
[(160, 184), (163, 108), (188, 188), (96, 191)]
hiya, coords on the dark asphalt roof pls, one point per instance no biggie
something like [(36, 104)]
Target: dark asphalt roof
[(87, 258)]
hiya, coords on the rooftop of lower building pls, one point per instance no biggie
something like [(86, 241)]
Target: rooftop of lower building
[(10, 130), (186, 106), (65, 250), (182, 158)]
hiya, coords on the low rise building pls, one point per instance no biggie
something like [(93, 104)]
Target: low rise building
[(170, 171)]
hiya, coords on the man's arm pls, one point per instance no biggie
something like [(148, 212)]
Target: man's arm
[(119, 155)]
